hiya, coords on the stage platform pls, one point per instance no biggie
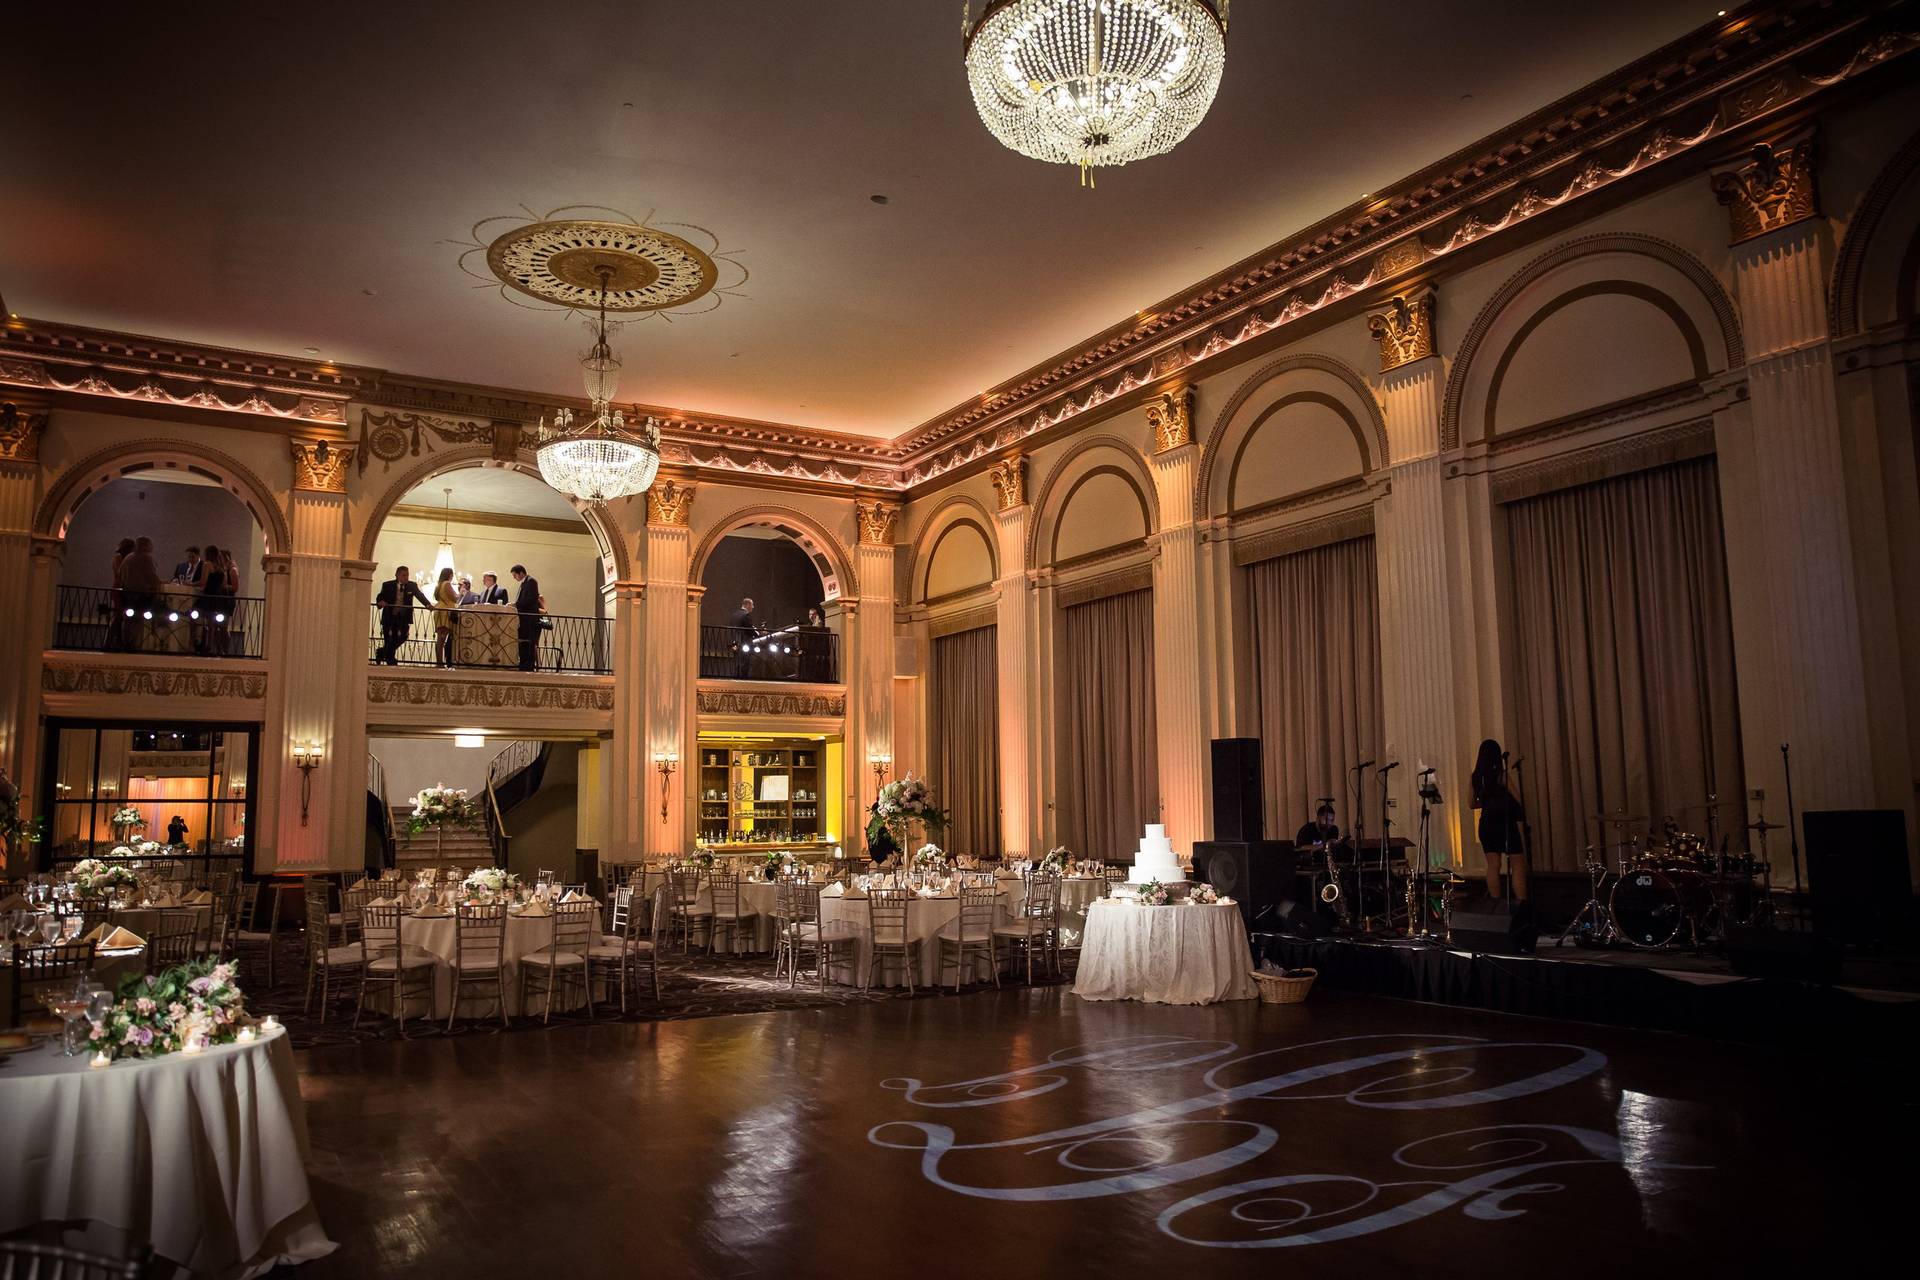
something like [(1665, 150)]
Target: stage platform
[(1657, 991)]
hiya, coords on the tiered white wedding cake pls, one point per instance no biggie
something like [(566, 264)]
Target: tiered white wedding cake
[(1156, 859)]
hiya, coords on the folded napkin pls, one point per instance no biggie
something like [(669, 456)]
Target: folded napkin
[(574, 896), (430, 912), (855, 892), (833, 890), (162, 900), (14, 902), (198, 898), (118, 939), (361, 885), (384, 902), (534, 908)]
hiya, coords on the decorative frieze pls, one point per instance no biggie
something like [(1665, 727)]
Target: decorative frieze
[(506, 695), (390, 437), (21, 426), (1009, 476), (320, 465), (730, 702), (62, 676), (1404, 328), (1771, 190), (670, 503), (876, 521), (1170, 418)]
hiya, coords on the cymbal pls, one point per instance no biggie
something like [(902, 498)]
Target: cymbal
[(1620, 817), (1764, 825)]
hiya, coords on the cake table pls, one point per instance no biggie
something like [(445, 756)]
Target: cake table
[(1186, 953)]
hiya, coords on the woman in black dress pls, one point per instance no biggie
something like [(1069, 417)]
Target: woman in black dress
[(1500, 820)]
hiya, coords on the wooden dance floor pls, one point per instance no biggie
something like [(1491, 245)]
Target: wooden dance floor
[(1028, 1133)]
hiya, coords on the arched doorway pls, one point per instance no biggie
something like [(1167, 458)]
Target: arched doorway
[(764, 611)]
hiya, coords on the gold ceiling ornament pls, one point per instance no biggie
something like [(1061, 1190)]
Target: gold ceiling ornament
[(1773, 188), (21, 426), (1094, 82), (1170, 416), (1009, 476), (1404, 328), (670, 503), (876, 521), (320, 465), (564, 261)]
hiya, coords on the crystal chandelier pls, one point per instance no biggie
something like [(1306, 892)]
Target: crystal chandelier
[(1095, 82), (600, 459)]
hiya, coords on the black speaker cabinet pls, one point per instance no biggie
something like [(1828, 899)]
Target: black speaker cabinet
[(1857, 871), (1770, 953), (1257, 874), (1489, 927), (1237, 810)]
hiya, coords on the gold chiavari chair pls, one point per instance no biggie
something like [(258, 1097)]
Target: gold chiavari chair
[(973, 931), (804, 933), (564, 958), (887, 932), (325, 957), (387, 961), (43, 968), (622, 949), (683, 907), (246, 919), (479, 954), (171, 941), (726, 910), (1036, 924)]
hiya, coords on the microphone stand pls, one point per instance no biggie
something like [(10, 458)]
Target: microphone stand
[(1793, 837), (1386, 876), (1526, 831)]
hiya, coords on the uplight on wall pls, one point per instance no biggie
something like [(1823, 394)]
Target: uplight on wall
[(472, 741), (306, 758)]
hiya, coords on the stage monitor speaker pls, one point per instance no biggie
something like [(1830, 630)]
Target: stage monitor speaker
[(1257, 874), (1857, 872), (1237, 810), (1488, 926), (1770, 953)]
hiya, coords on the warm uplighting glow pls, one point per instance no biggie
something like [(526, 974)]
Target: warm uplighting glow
[(470, 740)]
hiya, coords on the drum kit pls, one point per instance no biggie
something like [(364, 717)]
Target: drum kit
[(1679, 889)]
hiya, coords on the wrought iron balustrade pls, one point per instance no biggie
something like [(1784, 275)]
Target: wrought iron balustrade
[(172, 621)]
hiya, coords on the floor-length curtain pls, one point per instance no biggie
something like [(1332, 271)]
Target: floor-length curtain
[(1623, 656), (963, 711), (1315, 617), (1109, 772)]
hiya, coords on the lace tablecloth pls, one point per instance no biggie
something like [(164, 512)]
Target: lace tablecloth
[(1165, 955), (203, 1156)]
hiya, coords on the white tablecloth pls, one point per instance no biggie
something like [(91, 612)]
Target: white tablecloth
[(437, 935), (202, 1156), (927, 919), (1166, 955)]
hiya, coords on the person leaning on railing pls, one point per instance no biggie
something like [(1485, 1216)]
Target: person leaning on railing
[(446, 618), (395, 599)]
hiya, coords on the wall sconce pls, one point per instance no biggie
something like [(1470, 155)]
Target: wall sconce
[(666, 762), (306, 758), (881, 763)]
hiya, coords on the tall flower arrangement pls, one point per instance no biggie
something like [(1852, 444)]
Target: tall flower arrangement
[(900, 804), (438, 807)]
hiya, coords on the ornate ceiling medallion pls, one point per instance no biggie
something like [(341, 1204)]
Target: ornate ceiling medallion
[(564, 262)]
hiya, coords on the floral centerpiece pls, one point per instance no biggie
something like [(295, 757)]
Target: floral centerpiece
[(1154, 894), (436, 808), (778, 860), (900, 804), (98, 878), (1058, 859), (17, 831), (1202, 895), (702, 861), (489, 884), (194, 1003), (930, 857), (125, 821)]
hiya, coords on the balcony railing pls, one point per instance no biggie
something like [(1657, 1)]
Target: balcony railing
[(809, 655), (490, 637), (172, 621)]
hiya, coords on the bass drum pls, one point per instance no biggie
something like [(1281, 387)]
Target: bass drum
[(1650, 906)]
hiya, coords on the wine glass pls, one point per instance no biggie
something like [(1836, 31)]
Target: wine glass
[(70, 927), (49, 928), (69, 1004)]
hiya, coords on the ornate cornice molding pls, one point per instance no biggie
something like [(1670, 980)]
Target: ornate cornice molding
[(1774, 188), (1170, 418), (744, 702), (320, 466), (586, 693), (1404, 328), (67, 676), (670, 503)]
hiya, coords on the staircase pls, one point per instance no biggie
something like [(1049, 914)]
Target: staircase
[(466, 847)]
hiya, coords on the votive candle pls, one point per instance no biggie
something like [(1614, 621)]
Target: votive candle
[(245, 1036), (100, 1060)]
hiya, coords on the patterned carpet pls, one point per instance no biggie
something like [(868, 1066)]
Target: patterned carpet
[(691, 986)]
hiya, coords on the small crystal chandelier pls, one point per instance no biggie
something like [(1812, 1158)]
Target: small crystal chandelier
[(600, 460), (1095, 82)]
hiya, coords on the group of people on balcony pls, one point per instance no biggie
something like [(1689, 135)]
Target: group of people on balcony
[(452, 593), (140, 596)]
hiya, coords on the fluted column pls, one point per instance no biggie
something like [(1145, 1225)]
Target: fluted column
[(1179, 697), (873, 656), (669, 683), (1420, 678), (1795, 455), (628, 765), (305, 635), (1013, 643), (22, 422)]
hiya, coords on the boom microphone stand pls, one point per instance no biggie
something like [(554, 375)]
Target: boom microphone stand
[(1793, 836), (1386, 876), (1429, 790)]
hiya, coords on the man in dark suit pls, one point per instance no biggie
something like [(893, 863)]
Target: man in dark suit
[(742, 624), (491, 592), (395, 599), (527, 603), (189, 568)]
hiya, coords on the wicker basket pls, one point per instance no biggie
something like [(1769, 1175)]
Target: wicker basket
[(1290, 987)]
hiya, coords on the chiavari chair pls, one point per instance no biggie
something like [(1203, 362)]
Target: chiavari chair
[(171, 940), (804, 933), (325, 957), (31, 1260), (622, 949), (683, 907), (479, 954), (387, 961), (973, 931), (246, 916), (1036, 925), (887, 932), (564, 958), (726, 910), (41, 968)]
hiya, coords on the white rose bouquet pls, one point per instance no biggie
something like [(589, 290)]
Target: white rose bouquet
[(1056, 859), (489, 883), (1154, 894), (930, 857), (441, 807), (97, 878), (1203, 895)]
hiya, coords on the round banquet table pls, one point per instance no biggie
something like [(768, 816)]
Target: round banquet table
[(437, 936), (1177, 954), (202, 1156), (927, 918)]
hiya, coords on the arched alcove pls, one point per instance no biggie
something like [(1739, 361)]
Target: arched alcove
[(954, 552), (1097, 499), (1302, 425)]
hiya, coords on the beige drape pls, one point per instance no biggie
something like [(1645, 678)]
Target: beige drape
[(1316, 666), (1109, 774), (963, 712), (1623, 658)]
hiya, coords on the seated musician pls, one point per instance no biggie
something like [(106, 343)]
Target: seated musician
[(1321, 830)]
